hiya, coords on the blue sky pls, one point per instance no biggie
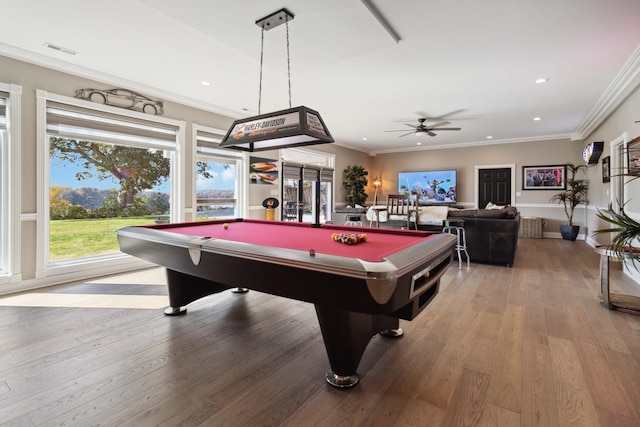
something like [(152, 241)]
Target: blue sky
[(63, 173)]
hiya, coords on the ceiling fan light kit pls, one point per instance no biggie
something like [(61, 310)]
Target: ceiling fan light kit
[(293, 127)]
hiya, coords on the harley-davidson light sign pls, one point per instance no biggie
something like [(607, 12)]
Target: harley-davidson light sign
[(277, 124)]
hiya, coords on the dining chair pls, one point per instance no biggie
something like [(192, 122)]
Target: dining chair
[(402, 210)]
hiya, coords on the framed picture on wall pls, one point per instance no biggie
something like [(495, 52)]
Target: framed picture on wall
[(606, 169), (633, 156), (553, 177), (263, 171)]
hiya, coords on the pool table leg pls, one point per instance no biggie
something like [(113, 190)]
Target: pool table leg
[(184, 288), (346, 335), (393, 333)]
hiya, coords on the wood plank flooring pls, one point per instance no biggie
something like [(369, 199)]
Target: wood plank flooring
[(522, 346)]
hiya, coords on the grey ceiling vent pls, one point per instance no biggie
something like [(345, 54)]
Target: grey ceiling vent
[(60, 48)]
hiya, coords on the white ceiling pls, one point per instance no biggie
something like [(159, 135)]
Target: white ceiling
[(472, 61)]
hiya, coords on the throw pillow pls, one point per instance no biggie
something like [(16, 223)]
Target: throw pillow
[(493, 206)]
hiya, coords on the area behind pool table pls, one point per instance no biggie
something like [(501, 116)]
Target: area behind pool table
[(358, 290)]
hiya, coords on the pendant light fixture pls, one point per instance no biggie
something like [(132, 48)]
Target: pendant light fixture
[(293, 127)]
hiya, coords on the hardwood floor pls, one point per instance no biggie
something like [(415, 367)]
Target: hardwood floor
[(523, 346)]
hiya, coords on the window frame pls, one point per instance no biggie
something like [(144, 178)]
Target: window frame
[(103, 264), (211, 154), (10, 206)]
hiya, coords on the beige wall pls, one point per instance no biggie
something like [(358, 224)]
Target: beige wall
[(621, 121), (531, 203), (466, 159)]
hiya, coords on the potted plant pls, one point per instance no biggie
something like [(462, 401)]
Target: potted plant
[(355, 181), (628, 233), (575, 194), (625, 242)]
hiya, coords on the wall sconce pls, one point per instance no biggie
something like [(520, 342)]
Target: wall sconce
[(299, 126)]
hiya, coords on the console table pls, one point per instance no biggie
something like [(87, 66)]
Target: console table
[(613, 301)]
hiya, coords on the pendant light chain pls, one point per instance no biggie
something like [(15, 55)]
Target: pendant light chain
[(261, 58), (288, 63)]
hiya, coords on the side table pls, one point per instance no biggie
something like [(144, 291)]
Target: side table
[(613, 301)]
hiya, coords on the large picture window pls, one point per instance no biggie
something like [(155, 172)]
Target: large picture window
[(217, 181), (105, 170)]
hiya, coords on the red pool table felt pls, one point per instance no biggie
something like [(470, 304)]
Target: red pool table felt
[(290, 235)]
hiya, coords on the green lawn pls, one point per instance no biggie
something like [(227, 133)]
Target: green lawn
[(79, 238)]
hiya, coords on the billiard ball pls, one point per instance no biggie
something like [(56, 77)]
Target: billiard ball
[(225, 225)]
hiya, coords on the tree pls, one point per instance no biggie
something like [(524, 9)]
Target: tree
[(136, 169), (57, 205)]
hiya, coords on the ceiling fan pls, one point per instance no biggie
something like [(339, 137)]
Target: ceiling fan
[(421, 128)]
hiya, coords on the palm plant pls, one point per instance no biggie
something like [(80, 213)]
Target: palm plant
[(575, 193), (627, 229)]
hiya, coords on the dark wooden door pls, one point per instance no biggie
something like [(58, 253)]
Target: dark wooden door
[(495, 187)]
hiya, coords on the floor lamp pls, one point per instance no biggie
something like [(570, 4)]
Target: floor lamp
[(376, 183)]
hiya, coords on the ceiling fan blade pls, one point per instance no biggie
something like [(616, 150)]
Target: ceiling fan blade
[(440, 117), (439, 124), (438, 129), (397, 130), (430, 133), (409, 133)]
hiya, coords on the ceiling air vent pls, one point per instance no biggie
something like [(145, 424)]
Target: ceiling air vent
[(60, 48)]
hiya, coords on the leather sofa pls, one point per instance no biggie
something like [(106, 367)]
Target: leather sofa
[(492, 234)]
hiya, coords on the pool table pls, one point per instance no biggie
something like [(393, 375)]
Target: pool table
[(358, 290)]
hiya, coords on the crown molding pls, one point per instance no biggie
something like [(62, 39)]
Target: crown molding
[(624, 83), (482, 143)]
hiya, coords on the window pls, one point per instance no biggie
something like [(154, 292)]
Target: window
[(217, 181), (4, 178), (105, 169), (10, 105)]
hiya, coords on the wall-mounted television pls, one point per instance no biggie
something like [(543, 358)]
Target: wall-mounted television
[(591, 153), (432, 187)]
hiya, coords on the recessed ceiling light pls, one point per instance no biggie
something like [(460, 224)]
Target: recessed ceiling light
[(419, 143), (489, 137), (364, 139), (542, 80), (537, 119), (205, 83)]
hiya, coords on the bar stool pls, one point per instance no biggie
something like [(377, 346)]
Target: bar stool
[(353, 220), (456, 226)]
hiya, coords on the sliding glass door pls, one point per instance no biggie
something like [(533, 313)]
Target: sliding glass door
[(307, 193)]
